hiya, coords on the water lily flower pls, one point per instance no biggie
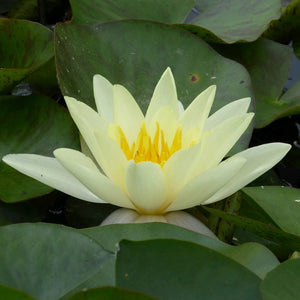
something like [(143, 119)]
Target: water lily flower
[(167, 160)]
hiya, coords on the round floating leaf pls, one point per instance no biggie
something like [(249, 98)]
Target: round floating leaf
[(31, 124), (138, 57), (233, 20), (110, 293), (282, 204), (25, 46), (44, 80), (282, 282), (13, 294), (266, 231), (253, 256), (288, 104), (104, 277), (286, 28), (268, 63), (46, 260), (172, 269), (98, 11)]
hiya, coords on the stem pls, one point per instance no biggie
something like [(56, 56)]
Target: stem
[(213, 220), (232, 206)]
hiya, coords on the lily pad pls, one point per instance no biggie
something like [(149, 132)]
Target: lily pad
[(266, 231), (89, 12), (110, 293), (14, 294), (31, 252), (25, 47), (286, 28), (173, 269), (282, 282), (24, 130), (282, 204), (138, 57), (253, 256), (268, 63), (233, 20)]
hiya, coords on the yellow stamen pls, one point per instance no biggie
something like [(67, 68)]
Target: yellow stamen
[(155, 150)]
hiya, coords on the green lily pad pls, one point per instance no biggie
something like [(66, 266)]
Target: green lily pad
[(233, 20), (286, 28), (14, 294), (266, 231), (43, 80), (47, 260), (268, 64), (25, 9), (89, 12), (104, 277), (25, 46), (282, 204), (172, 269), (282, 282), (24, 130), (110, 293), (138, 57), (288, 104), (253, 256)]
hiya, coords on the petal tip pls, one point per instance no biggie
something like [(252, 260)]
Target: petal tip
[(213, 87), (6, 158), (168, 73), (250, 115), (284, 147), (70, 101)]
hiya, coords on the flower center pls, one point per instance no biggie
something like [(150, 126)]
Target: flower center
[(155, 150)]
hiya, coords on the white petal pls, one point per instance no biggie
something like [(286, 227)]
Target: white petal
[(197, 112), (164, 95), (86, 151), (50, 172), (217, 142), (86, 172), (167, 121), (146, 186), (185, 220), (103, 94), (88, 121), (191, 137), (206, 184), (127, 113), (113, 159), (235, 108), (178, 169), (180, 108), (259, 160), (121, 216), (150, 219)]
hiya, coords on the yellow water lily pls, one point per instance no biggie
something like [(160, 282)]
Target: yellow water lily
[(166, 160)]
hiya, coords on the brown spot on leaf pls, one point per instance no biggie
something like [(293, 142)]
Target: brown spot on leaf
[(194, 78)]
